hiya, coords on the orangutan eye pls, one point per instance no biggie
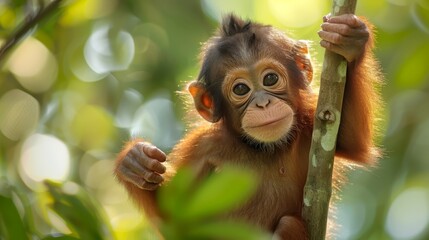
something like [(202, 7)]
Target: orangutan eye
[(270, 79), (241, 89)]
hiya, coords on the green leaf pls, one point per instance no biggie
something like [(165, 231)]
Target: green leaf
[(79, 211), (227, 230), (173, 196), (11, 224), (221, 192)]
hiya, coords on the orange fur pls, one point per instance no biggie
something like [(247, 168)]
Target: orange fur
[(360, 106)]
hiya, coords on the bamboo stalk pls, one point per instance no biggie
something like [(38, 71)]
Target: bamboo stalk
[(318, 188)]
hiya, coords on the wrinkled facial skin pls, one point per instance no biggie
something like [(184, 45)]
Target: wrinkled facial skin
[(258, 94)]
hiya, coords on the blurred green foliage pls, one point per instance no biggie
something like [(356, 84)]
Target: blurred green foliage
[(98, 72), (78, 210), (192, 210)]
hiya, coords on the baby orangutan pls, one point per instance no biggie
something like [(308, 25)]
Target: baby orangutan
[(254, 88)]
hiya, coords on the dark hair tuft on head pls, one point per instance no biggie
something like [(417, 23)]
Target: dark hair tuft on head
[(232, 25)]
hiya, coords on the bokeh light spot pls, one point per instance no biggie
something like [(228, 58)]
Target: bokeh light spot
[(44, 157), (354, 216), (92, 127), (33, 65), (100, 170), (19, 114), (297, 14), (129, 103), (107, 50), (217, 8), (7, 17), (408, 215), (82, 71), (82, 10), (155, 121)]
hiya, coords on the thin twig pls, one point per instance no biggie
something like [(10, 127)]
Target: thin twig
[(30, 22)]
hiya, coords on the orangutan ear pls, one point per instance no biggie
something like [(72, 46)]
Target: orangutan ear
[(203, 101), (302, 59)]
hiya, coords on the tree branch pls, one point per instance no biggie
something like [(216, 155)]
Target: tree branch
[(318, 188), (30, 22)]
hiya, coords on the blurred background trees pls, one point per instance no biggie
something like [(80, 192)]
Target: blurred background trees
[(97, 72)]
